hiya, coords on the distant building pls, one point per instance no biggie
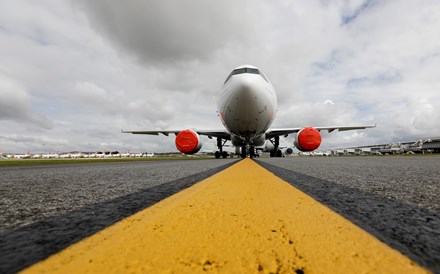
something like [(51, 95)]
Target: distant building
[(425, 145), (433, 145)]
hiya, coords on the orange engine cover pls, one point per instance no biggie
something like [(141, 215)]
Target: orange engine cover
[(308, 139), (188, 141)]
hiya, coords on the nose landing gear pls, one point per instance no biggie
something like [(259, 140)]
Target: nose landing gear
[(248, 150), (220, 152), (243, 152)]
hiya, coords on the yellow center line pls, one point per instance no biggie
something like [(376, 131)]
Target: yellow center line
[(242, 220)]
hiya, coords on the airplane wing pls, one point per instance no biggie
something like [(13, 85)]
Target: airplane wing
[(286, 131), (210, 133)]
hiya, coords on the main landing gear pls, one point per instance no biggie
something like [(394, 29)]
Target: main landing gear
[(220, 152), (276, 152), (244, 151), (248, 150)]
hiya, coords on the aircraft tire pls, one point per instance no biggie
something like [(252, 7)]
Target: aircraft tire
[(225, 154), (243, 152), (252, 152), (217, 155)]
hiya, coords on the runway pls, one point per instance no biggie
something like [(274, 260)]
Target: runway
[(33, 193), (46, 209), (397, 199)]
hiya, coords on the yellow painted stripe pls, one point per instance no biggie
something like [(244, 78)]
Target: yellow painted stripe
[(241, 220)]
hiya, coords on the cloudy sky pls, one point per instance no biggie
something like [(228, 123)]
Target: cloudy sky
[(74, 73)]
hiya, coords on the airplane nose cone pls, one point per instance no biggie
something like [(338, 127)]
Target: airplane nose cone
[(246, 84), (246, 90)]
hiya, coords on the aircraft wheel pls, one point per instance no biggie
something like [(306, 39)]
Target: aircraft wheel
[(272, 153), (252, 152), (217, 155), (243, 152), (225, 154), (279, 153)]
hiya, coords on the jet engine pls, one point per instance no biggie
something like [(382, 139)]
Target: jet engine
[(268, 146), (308, 139), (188, 141)]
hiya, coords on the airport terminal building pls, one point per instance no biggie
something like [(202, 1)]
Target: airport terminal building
[(426, 145)]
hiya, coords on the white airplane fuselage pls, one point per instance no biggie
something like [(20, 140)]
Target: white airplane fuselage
[(247, 106)]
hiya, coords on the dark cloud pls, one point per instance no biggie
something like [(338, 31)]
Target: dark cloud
[(75, 73), (16, 105), (171, 31)]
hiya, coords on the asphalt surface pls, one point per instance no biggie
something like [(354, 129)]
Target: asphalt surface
[(32, 193), (44, 209), (397, 199)]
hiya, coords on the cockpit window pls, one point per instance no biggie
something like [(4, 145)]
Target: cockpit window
[(239, 71), (252, 70), (245, 70)]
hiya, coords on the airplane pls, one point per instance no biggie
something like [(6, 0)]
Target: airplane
[(125, 155), (65, 155), (77, 155), (137, 155), (150, 155), (2, 156), (247, 107), (268, 147), (22, 156), (51, 155), (36, 156)]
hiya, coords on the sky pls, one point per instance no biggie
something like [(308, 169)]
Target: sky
[(74, 73)]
